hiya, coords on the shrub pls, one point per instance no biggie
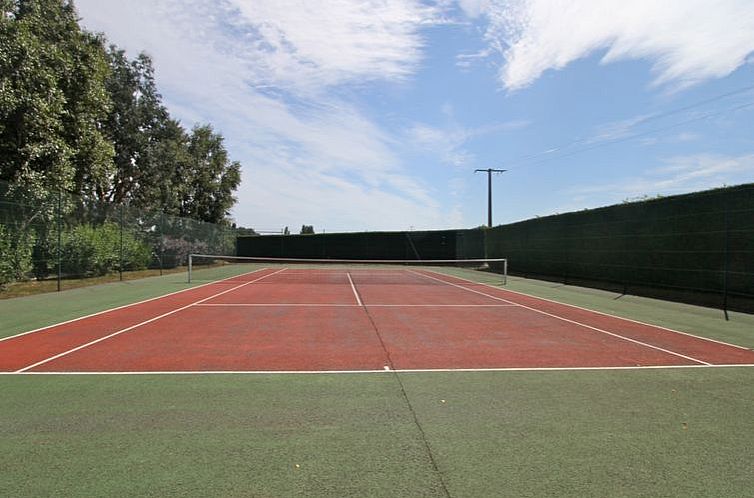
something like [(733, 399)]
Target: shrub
[(15, 255), (176, 251), (89, 250)]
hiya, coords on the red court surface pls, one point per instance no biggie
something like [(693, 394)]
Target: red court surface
[(295, 320)]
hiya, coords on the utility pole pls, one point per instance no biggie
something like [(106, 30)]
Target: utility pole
[(489, 172)]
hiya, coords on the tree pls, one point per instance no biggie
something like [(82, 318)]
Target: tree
[(136, 123), (244, 230), (78, 116), (210, 178), (159, 165), (171, 174), (52, 99), (307, 229)]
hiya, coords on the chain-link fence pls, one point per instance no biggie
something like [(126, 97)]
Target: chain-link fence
[(56, 236)]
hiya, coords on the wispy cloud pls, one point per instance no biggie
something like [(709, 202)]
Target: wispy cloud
[(686, 41), (448, 142), (267, 73), (319, 44), (445, 143), (616, 130), (676, 175)]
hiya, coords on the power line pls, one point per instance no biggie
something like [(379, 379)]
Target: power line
[(523, 163), (527, 160)]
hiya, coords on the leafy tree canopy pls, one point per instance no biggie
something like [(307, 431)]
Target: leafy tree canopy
[(52, 99), (79, 115)]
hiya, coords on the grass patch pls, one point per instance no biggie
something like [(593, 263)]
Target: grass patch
[(32, 287)]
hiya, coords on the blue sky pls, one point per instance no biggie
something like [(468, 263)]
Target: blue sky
[(373, 114)]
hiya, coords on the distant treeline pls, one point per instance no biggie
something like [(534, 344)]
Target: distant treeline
[(77, 114)]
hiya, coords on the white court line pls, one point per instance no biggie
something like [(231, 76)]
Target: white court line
[(273, 305), (353, 288), (125, 306), (144, 323), (442, 305), (601, 313), (341, 305), (383, 371), (337, 270), (569, 320)]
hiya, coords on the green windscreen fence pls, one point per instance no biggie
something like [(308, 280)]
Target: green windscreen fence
[(695, 248), (58, 236), (417, 245)]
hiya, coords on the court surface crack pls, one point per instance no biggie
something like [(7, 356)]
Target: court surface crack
[(397, 376)]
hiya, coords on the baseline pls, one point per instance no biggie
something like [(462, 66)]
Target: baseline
[(376, 371)]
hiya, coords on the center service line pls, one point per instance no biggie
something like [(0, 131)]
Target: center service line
[(353, 288)]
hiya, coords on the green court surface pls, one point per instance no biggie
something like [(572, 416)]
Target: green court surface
[(644, 432)]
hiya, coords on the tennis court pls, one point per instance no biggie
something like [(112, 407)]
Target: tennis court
[(358, 380), (337, 318)]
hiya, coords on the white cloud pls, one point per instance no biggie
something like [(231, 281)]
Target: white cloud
[(333, 41), (687, 41), (265, 73), (330, 202), (474, 8)]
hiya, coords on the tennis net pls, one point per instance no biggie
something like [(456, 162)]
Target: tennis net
[(209, 268)]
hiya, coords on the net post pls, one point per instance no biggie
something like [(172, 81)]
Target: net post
[(190, 260), (505, 271)]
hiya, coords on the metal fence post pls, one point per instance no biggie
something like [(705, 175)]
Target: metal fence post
[(120, 266), (59, 217), (162, 239), (726, 260)]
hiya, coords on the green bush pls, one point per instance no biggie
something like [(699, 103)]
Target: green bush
[(89, 250), (6, 268), (15, 255), (136, 254)]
